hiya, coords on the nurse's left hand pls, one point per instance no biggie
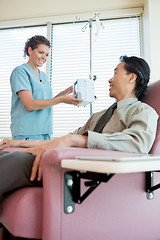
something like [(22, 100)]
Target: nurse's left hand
[(67, 91)]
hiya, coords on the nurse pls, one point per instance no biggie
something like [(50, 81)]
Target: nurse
[(31, 112)]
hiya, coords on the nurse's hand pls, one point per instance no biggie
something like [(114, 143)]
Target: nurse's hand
[(67, 91), (71, 100)]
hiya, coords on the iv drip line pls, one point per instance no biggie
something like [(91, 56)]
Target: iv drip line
[(98, 25)]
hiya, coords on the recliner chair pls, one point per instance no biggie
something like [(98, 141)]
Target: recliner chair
[(117, 209)]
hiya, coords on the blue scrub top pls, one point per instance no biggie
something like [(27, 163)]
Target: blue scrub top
[(24, 122)]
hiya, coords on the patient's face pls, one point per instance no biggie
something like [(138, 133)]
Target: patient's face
[(120, 87)]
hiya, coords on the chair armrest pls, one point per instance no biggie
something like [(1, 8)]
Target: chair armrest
[(54, 156)]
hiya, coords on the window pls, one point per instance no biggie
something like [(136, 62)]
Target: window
[(11, 48), (69, 61)]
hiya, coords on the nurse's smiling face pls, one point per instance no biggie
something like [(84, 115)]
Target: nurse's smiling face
[(38, 56)]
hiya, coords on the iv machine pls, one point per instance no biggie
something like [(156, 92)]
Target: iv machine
[(84, 89)]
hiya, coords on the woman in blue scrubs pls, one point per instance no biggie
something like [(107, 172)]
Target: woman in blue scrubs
[(31, 112)]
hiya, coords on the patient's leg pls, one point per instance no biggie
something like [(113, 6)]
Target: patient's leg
[(15, 171)]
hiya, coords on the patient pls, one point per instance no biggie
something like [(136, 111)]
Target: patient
[(132, 128)]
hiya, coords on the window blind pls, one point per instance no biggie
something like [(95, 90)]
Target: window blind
[(71, 61), (12, 43)]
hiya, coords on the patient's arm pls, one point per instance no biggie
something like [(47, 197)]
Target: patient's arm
[(39, 147), (65, 141), (22, 143)]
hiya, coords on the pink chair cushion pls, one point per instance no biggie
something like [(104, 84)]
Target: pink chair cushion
[(22, 212), (152, 98)]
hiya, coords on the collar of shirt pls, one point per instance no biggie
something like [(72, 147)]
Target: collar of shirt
[(126, 101), (30, 71)]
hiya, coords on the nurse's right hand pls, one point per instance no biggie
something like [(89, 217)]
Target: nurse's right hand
[(71, 100)]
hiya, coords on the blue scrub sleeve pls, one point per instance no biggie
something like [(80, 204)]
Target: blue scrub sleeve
[(20, 80)]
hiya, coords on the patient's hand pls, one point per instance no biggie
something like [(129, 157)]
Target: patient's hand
[(21, 143), (65, 141), (5, 143), (39, 150), (37, 164)]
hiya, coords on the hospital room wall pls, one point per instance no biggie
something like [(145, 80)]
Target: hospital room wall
[(151, 36), (20, 9)]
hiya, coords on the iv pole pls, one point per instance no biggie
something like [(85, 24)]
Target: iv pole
[(91, 65), (90, 23)]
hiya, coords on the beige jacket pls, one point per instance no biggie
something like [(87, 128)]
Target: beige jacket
[(132, 128)]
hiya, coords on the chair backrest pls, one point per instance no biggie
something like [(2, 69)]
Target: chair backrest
[(152, 98)]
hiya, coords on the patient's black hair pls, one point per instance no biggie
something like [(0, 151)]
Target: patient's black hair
[(141, 68), (34, 41)]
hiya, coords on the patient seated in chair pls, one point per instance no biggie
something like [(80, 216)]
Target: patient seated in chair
[(128, 125)]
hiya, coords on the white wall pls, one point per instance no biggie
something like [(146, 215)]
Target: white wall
[(20, 9), (152, 36)]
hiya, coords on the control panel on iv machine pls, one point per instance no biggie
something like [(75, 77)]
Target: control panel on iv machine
[(84, 89)]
